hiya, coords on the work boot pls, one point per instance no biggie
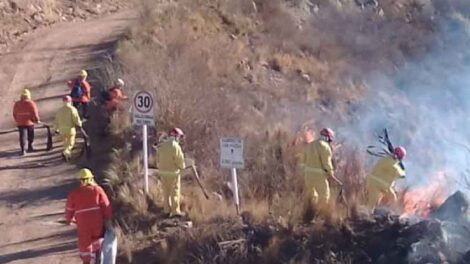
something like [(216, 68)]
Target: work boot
[(177, 215), (64, 157), (30, 149), (165, 215)]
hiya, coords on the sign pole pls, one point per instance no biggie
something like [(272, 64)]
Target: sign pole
[(235, 189), (143, 115), (146, 162)]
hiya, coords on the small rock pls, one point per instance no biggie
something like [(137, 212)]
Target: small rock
[(264, 64), (381, 12), (316, 8), (306, 77), (187, 224), (249, 77), (217, 196), (37, 17)]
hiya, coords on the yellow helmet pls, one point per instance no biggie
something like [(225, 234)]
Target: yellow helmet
[(85, 174), (83, 73), (26, 94)]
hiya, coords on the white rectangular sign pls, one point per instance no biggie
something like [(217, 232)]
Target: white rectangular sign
[(231, 153), (142, 109)]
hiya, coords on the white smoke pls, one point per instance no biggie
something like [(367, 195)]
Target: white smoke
[(425, 105)]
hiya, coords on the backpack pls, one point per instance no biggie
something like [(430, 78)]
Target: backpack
[(77, 91)]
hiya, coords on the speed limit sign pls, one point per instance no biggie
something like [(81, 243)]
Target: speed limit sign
[(143, 105)]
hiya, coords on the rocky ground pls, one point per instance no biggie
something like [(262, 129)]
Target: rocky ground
[(382, 238), (21, 17)]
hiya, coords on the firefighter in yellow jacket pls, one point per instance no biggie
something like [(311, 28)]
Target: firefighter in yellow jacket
[(318, 169), (380, 180), (170, 163), (66, 121)]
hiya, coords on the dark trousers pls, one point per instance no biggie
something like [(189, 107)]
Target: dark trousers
[(26, 132), (82, 109)]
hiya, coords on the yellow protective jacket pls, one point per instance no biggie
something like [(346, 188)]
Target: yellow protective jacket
[(67, 119), (170, 158), (317, 158), (385, 172)]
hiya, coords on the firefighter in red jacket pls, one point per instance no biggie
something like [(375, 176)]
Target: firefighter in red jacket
[(89, 207), (115, 96), (81, 93), (25, 113)]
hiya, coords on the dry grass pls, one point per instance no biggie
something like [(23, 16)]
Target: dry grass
[(258, 70), (203, 49), (49, 7)]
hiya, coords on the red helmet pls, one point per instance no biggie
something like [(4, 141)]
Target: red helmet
[(400, 152), (67, 99), (328, 133), (176, 132)]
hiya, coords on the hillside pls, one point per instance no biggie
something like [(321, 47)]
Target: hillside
[(262, 70)]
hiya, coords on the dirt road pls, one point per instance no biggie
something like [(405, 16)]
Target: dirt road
[(33, 188)]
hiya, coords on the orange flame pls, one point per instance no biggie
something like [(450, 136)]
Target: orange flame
[(420, 201)]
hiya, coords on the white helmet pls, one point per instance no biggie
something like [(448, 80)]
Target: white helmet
[(120, 82)]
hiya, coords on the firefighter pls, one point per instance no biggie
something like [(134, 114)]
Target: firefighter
[(385, 172), (303, 137), (80, 93), (66, 121), (88, 206), (25, 113), (114, 96), (170, 162), (317, 166)]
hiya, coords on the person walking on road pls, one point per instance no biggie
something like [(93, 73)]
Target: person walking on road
[(88, 206), (170, 162), (317, 166), (81, 93), (385, 172), (66, 121), (25, 113)]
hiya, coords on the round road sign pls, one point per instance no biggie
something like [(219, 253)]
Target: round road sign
[(143, 102)]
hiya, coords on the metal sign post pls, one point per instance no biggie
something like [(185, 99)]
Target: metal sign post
[(143, 116), (231, 157), (146, 161), (235, 189)]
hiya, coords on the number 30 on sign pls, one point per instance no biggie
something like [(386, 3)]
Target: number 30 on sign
[(142, 109)]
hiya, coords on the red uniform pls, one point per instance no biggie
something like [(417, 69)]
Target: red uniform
[(25, 113), (90, 207), (115, 96), (86, 88)]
